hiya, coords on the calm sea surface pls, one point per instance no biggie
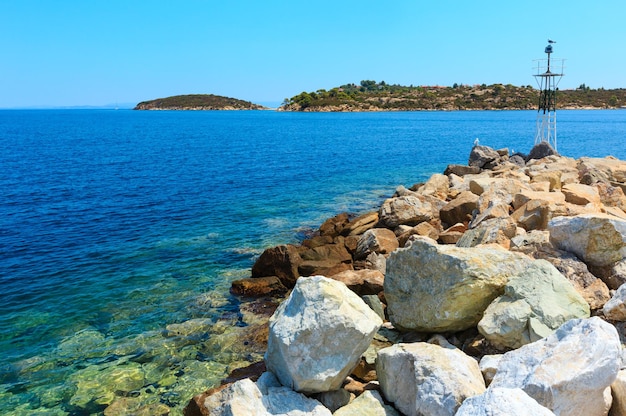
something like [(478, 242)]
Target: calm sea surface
[(115, 225)]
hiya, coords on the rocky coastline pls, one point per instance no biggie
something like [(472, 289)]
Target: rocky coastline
[(494, 288)]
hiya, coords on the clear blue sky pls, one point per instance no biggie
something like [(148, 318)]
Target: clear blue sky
[(79, 52)]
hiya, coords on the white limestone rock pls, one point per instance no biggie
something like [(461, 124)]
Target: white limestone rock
[(437, 288), (317, 335), (427, 379), (266, 397), (534, 304), (615, 308), (598, 239), (502, 402), (568, 372)]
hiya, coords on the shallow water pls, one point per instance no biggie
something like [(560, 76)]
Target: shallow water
[(116, 226)]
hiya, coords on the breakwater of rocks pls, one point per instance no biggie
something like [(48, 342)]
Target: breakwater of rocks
[(493, 288)]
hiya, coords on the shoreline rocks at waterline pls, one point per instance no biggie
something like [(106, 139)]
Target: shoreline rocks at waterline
[(507, 262)]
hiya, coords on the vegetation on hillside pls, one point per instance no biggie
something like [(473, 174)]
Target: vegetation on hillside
[(380, 96), (197, 102)]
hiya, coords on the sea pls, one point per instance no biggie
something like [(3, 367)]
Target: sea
[(121, 231)]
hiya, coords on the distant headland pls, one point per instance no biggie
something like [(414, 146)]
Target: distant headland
[(198, 102), (380, 96)]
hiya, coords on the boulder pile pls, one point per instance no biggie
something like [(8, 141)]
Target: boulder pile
[(496, 288)]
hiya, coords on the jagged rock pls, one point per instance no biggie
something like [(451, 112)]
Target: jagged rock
[(335, 399), (535, 303), (568, 372), (489, 366), (502, 402), (480, 156), (459, 209), (579, 194), (426, 379), (408, 209), (334, 226), (452, 235), (609, 169), (599, 239), (618, 392), (367, 404), (266, 397), (424, 229), (281, 261), (492, 231), (611, 196), (373, 301), (362, 282), (553, 177), (461, 170), (328, 260), (376, 240), (258, 286), (318, 334), (541, 150), (615, 309), (593, 290), (518, 160), (527, 242), (436, 288), (614, 275), (536, 214), (361, 224), (436, 186), (524, 196)]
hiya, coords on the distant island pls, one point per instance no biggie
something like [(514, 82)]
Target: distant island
[(198, 102), (380, 96)]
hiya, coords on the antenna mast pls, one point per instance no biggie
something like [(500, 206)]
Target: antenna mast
[(548, 79)]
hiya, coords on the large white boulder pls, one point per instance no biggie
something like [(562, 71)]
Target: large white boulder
[(266, 397), (317, 335), (502, 402), (598, 239), (534, 304), (436, 288), (568, 372), (427, 379)]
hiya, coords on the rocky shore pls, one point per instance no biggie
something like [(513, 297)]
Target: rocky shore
[(495, 288)]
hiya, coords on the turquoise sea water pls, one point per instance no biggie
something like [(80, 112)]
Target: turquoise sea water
[(120, 231)]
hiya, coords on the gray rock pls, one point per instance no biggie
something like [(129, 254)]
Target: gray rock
[(599, 239), (436, 288), (266, 397), (376, 240), (480, 156), (317, 335), (569, 371), (426, 379), (502, 402), (541, 150), (535, 303)]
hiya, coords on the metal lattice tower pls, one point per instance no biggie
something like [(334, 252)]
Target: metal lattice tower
[(548, 75)]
